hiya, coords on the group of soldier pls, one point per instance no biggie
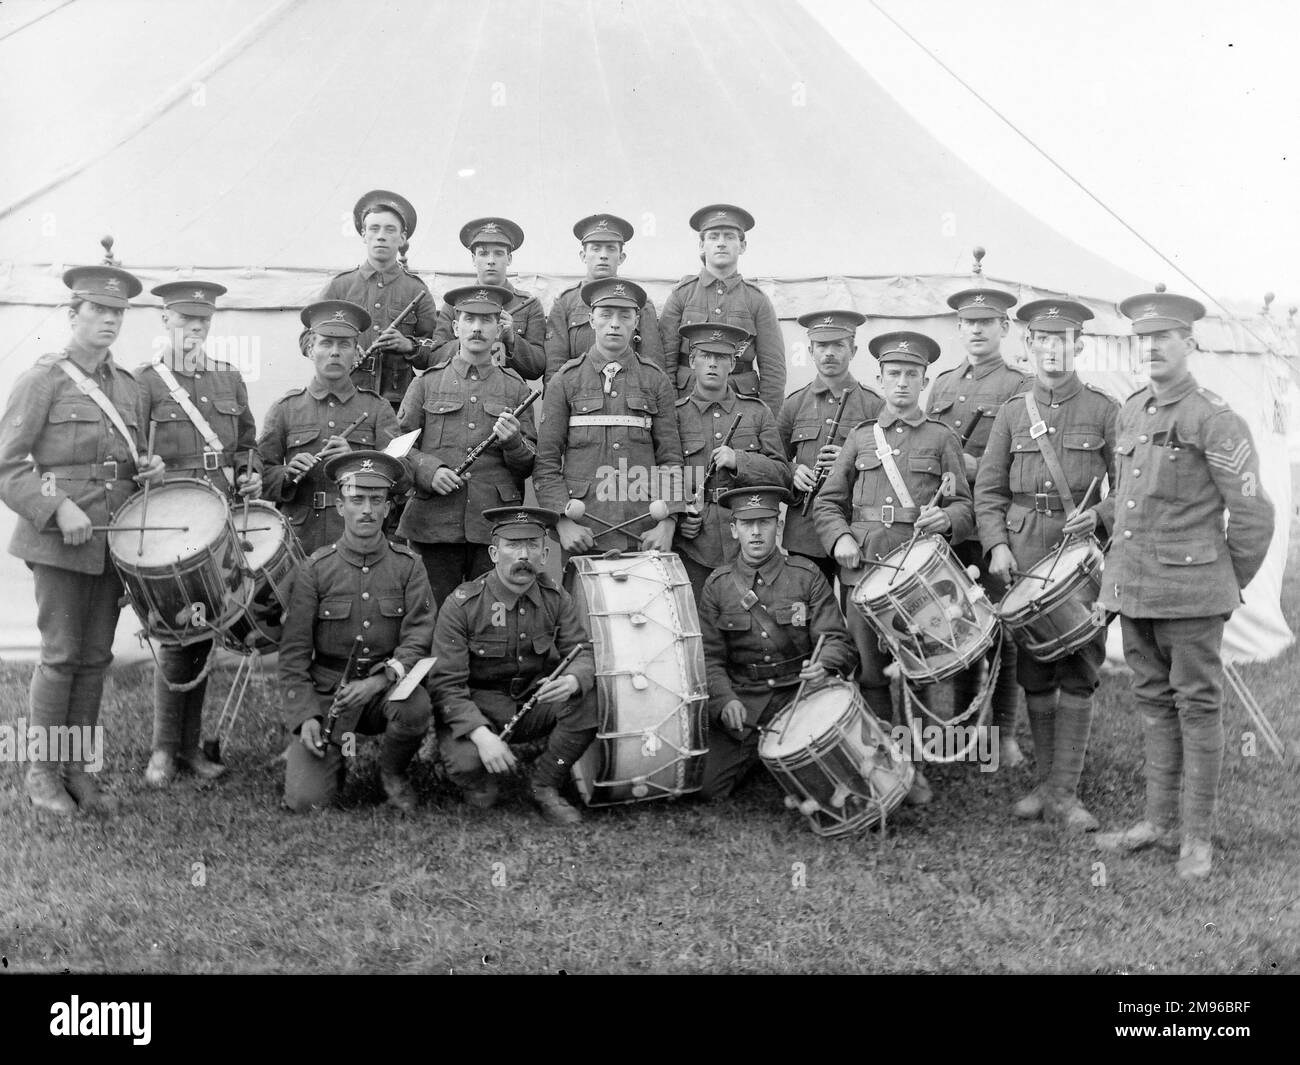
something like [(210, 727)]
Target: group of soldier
[(668, 432)]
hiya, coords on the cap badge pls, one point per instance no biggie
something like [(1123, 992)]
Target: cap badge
[(112, 284), (522, 516), (828, 320), (339, 316), (620, 290), (482, 294), (904, 345), (198, 294), (979, 298), (490, 227), (717, 215), (755, 501), (1149, 311), (367, 464), (717, 335), (603, 224), (1053, 312)]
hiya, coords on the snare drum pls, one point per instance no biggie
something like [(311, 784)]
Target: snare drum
[(1050, 612), (650, 679), (181, 583), (837, 765), (935, 619), (271, 562)]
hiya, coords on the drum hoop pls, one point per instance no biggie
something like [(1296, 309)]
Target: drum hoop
[(1061, 588)]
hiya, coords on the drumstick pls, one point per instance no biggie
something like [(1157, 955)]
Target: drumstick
[(248, 472), (1031, 576), (821, 642), (658, 510), (138, 528), (1083, 505), (916, 533), (144, 505)]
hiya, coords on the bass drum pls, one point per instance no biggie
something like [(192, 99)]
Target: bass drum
[(650, 680)]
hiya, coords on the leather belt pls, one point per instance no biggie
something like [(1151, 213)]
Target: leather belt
[(202, 460), (626, 421), (1040, 502), (318, 501), (888, 515), (93, 471), (783, 668), (360, 667)]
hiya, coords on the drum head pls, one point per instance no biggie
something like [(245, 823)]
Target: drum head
[(1064, 569), (882, 580), (799, 727), (177, 503), (266, 541)]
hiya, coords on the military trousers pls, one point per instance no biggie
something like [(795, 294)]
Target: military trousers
[(731, 756), (451, 565)]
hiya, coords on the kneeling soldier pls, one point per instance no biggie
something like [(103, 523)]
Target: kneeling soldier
[(360, 588), (761, 616), (495, 637)]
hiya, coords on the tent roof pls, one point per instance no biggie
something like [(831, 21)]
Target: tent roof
[(246, 143)]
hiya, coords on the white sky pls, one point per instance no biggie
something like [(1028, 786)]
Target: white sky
[(1183, 117)]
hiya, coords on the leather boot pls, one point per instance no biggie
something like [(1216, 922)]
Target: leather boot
[(1073, 726), (1162, 744), (553, 807), (83, 711), (47, 708), (1195, 858), (1138, 837), (1041, 707), (1006, 705), (395, 754)]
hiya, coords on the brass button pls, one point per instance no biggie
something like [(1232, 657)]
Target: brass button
[(1137, 473), (1151, 410), (365, 569), (330, 424), (1142, 439), (1128, 535), (1131, 504), (365, 624), (365, 595), (470, 425), (1047, 484)]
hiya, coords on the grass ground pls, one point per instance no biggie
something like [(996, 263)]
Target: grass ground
[(219, 880)]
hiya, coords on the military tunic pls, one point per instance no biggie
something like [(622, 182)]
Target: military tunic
[(958, 393), (803, 424), (1018, 504), (384, 296), (492, 644), (569, 333), (616, 451), (302, 420), (748, 660), (702, 425), (525, 354), (342, 591), (760, 370)]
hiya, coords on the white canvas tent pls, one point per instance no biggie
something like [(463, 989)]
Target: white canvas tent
[(235, 155)]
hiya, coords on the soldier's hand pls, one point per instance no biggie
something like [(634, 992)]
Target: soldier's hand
[(507, 325), (309, 734), (733, 716), (724, 458), (933, 519), (152, 471), (813, 672), (1001, 563), (971, 466), (444, 481), (250, 484), (493, 751), (392, 339), (660, 538), (691, 524), (335, 445), (73, 523), (827, 455), (506, 427), (356, 693), (1082, 524), (804, 478), (301, 464), (573, 536), (560, 690), (847, 553)]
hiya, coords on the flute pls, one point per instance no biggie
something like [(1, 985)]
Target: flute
[(822, 472), (473, 454), (316, 458)]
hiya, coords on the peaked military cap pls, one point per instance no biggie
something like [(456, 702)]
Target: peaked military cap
[(717, 337), (981, 302), (722, 216), (335, 318), (1154, 312), (831, 325), (365, 469), (389, 201), (760, 501), (520, 523), (1055, 316), (492, 231), (904, 346), (108, 286), (613, 292), (603, 227), (479, 299), (198, 299)]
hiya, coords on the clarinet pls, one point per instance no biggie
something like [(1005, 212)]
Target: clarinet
[(822, 472), (472, 456), (336, 711)]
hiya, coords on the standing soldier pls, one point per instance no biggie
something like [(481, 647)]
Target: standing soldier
[(878, 494), (974, 392), (359, 618), (1186, 461), (459, 404), (70, 445), (761, 615), (496, 638), (752, 456), (718, 294), (609, 438), (807, 417), (306, 426), (568, 327), (203, 429), (492, 243), (1045, 447), (385, 287)]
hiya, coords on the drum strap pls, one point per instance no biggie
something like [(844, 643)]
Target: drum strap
[(1038, 430), (89, 388), (780, 638), (193, 414), (886, 455)]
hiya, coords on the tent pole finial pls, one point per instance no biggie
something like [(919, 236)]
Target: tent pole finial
[(1160, 286), (107, 242), (979, 254), (1269, 297)]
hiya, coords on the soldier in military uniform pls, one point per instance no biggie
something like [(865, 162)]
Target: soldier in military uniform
[(568, 327), (609, 436), (70, 445), (203, 430), (966, 399), (365, 599), (1044, 449), (385, 287), (492, 243), (458, 404), (497, 637), (704, 417), (1185, 457), (761, 615), (305, 426), (878, 493), (806, 418), (718, 294)]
